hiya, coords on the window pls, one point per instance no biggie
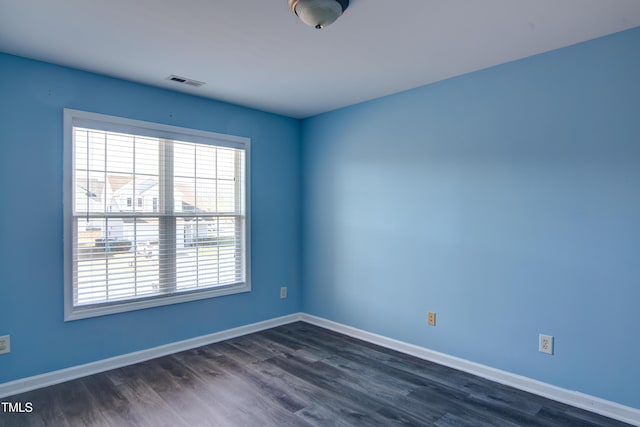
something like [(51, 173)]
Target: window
[(191, 241)]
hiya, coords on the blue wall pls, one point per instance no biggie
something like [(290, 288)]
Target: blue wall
[(32, 98), (506, 200)]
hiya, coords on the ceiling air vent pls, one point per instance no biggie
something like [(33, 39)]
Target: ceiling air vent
[(185, 81)]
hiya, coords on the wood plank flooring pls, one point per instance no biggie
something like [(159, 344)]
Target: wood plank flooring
[(292, 375)]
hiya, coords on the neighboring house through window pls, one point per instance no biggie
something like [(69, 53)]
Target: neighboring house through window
[(191, 241)]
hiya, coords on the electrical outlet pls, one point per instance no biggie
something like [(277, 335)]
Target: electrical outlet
[(545, 344), (5, 344), (283, 292), (431, 318)]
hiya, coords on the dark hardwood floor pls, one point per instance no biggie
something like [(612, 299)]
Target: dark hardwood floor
[(293, 375)]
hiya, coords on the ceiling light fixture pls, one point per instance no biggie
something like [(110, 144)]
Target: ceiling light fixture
[(318, 13)]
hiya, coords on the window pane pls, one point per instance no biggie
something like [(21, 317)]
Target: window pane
[(147, 151), (119, 153), (229, 238), (206, 195), (226, 196), (96, 151), (226, 163), (116, 258), (206, 161), (184, 157), (90, 261), (207, 252), (146, 189), (184, 195), (120, 192), (89, 190)]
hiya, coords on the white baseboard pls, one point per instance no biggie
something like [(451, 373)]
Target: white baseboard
[(580, 400), (56, 377)]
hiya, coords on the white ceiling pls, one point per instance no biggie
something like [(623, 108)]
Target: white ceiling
[(256, 53)]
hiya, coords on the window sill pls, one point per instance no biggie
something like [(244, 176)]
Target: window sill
[(84, 312)]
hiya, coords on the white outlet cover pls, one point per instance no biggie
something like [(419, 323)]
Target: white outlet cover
[(283, 292), (545, 344)]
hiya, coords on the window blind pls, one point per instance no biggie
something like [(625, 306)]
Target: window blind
[(154, 217)]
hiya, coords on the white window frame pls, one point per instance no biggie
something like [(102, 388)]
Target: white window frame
[(75, 118)]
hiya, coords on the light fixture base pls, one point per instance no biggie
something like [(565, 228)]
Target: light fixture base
[(343, 3)]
